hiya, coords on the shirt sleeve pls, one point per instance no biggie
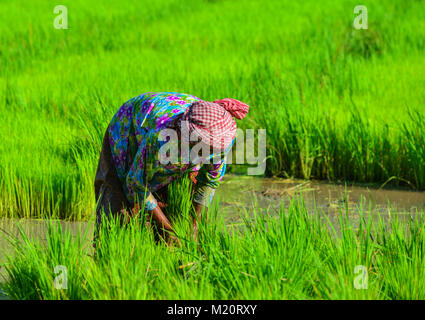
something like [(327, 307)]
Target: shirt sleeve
[(208, 180)]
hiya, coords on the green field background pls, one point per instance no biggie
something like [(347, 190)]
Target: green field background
[(337, 103)]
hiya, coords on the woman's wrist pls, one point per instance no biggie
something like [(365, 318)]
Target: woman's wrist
[(150, 202)]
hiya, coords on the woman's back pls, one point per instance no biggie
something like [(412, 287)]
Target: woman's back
[(137, 124)]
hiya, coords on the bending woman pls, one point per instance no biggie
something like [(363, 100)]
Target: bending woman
[(132, 167)]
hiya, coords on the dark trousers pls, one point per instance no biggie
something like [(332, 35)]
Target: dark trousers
[(110, 197)]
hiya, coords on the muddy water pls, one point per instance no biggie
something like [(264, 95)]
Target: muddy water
[(35, 229), (240, 192)]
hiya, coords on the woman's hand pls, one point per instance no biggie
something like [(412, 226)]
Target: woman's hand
[(173, 240), (161, 219)]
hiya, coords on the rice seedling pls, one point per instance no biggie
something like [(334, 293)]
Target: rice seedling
[(295, 254), (335, 101)]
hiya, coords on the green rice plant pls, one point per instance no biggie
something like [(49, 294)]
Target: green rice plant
[(402, 252), (37, 279), (414, 142), (295, 254), (334, 100), (180, 198)]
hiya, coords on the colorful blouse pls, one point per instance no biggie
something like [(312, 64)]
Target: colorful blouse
[(135, 142)]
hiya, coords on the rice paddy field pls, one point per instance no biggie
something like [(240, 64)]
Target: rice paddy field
[(296, 256), (339, 104)]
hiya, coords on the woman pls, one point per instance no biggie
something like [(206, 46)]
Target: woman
[(131, 166)]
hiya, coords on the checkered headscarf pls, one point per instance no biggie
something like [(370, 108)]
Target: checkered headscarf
[(213, 121)]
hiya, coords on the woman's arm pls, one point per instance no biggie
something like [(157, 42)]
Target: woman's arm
[(208, 180), (161, 219), (155, 212)]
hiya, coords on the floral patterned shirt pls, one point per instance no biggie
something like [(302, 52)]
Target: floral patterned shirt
[(135, 140)]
